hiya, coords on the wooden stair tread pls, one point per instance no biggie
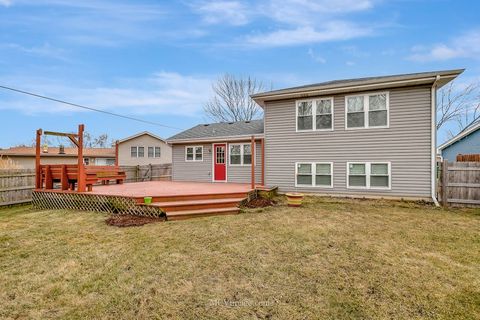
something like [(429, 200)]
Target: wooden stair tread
[(202, 211), (195, 202)]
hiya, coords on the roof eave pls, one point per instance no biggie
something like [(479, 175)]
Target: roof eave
[(297, 93), (215, 139)]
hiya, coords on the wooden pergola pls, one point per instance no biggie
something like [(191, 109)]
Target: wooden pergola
[(71, 175), (77, 140)]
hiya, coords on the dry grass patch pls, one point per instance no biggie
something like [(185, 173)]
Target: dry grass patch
[(330, 259)]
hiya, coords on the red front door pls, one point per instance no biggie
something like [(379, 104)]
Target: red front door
[(219, 162)]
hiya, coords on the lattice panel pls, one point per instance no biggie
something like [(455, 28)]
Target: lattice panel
[(92, 202)]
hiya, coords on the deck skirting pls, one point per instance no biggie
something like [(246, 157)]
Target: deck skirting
[(92, 202)]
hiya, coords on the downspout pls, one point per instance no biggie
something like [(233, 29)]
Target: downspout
[(434, 140)]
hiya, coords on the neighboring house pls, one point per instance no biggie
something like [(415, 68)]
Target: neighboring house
[(142, 149), (25, 156), (466, 142), (359, 137), (218, 152)]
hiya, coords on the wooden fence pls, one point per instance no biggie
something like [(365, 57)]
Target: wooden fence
[(468, 158), (16, 185), (460, 183), (156, 172)]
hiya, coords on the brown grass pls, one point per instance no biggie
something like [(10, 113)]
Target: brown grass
[(330, 259), (7, 163)]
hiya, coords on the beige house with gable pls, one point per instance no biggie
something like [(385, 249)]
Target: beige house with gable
[(143, 148)]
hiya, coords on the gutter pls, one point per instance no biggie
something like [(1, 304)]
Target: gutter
[(434, 139), (262, 98)]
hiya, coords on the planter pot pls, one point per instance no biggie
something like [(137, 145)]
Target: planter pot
[(294, 199), (147, 200)]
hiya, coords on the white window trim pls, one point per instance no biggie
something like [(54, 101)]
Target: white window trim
[(194, 154), (138, 148), (368, 174), (314, 175), (153, 154), (366, 109), (241, 164), (314, 114)]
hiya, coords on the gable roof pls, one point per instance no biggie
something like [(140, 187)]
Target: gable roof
[(54, 152), (460, 136), (141, 134), (359, 84), (239, 129)]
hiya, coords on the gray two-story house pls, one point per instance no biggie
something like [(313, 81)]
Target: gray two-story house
[(368, 137)]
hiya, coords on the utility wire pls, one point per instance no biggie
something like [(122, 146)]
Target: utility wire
[(88, 108)]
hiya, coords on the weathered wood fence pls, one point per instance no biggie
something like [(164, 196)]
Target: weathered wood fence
[(459, 183), (468, 157), (156, 172), (16, 185)]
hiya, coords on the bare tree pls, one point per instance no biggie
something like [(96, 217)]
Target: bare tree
[(460, 105), (231, 101)]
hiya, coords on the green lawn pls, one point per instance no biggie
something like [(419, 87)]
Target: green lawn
[(330, 259)]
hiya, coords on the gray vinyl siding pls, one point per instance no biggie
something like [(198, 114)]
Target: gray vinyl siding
[(406, 144), (202, 170)]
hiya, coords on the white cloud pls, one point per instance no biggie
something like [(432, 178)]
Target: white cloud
[(5, 3), (162, 93), (331, 31), (467, 45), (316, 57), (228, 12), (103, 23), (44, 50)]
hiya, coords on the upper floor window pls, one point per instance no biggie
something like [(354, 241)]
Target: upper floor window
[(240, 154), (137, 152), (194, 153), (154, 152), (316, 114), (367, 111)]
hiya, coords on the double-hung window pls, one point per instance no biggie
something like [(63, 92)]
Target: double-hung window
[(313, 174), (157, 153), (367, 111), (194, 153), (315, 114), (369, 175), (240, 154), (137, 152), (133, 152), (150, 152)]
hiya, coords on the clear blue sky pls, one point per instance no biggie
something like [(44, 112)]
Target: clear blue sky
[(156, 59)]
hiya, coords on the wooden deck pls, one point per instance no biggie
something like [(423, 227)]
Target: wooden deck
[(183, 200), (178, 200)]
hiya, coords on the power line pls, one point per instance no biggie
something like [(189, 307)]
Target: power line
[(88, 108)]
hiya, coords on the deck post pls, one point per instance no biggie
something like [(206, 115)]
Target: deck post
[(81, 178), (38, 173), (64, 178), (263, 161), (252, 144), (116, 153)]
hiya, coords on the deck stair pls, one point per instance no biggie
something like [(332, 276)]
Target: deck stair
[(181, 207)]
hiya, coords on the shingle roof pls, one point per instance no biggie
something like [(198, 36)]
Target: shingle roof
[(53, 151), (445, 77), (222, 129)]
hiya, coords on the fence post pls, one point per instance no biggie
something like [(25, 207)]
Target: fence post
[(445, 183), (137, 173), (151, 172)]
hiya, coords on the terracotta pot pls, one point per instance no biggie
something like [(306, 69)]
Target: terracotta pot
[(294, 199)]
